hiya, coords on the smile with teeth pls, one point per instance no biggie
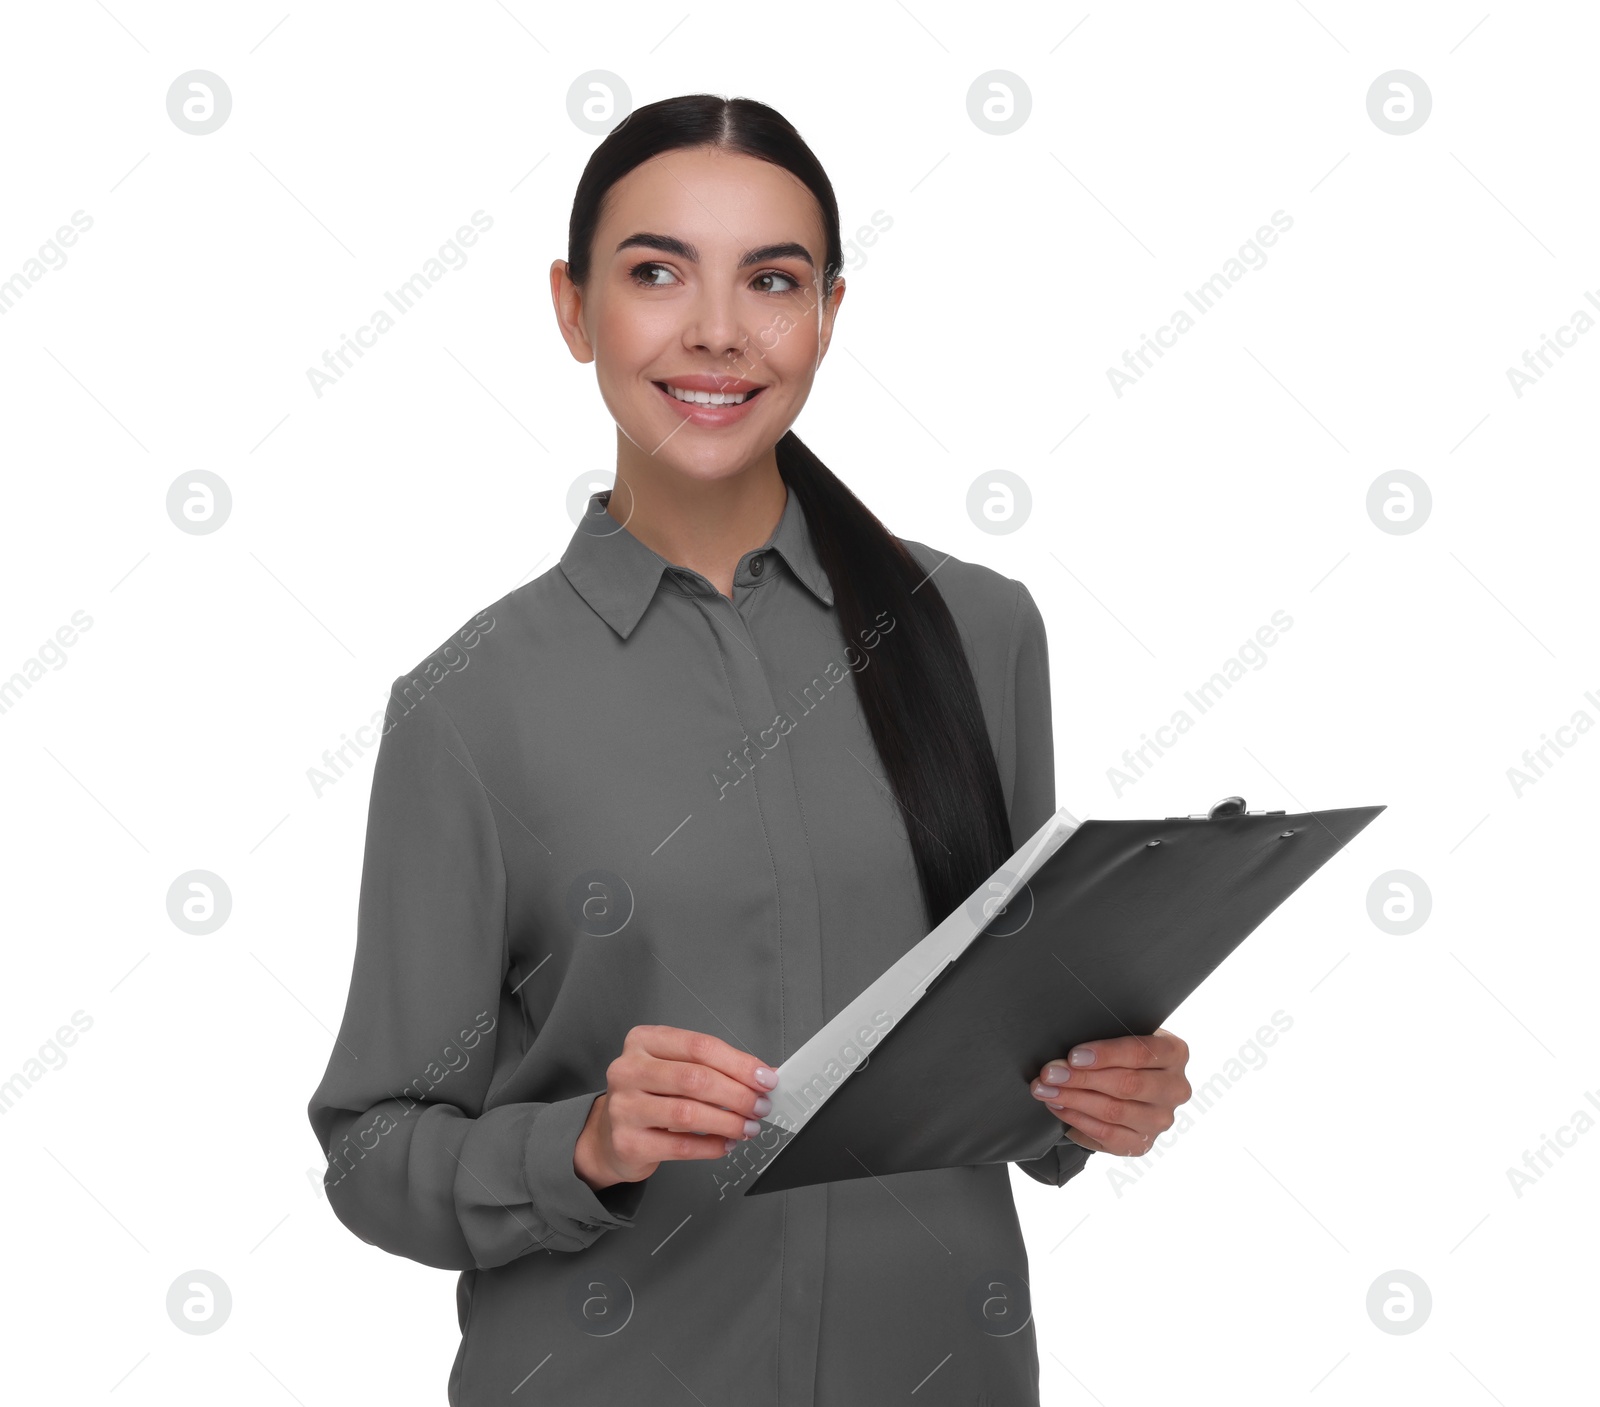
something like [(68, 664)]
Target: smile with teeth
[(707, 397)]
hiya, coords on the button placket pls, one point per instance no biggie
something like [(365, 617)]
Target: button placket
[(800, 959)]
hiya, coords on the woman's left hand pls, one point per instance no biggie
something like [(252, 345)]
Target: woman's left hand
[(1116, 1095)]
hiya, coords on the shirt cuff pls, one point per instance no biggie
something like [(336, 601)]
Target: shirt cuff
[(1060, 1163), (576, 1214)]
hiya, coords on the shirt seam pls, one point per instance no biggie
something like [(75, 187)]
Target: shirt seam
[(1008, 702)]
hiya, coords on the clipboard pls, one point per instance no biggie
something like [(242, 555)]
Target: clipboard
[(1092, 929)]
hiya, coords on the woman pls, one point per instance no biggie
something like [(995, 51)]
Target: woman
[(636, 833)]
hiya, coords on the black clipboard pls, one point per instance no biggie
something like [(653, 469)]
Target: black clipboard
[(1107, 938)]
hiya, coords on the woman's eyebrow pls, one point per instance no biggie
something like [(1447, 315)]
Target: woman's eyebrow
[(670, 244)]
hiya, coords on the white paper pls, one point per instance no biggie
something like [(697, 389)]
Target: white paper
[(844, 1044)]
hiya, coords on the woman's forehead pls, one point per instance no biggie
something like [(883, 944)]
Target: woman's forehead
[(721, 201)]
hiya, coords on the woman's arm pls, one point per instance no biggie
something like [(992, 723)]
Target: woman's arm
[(415, 1165), (1027, 760)]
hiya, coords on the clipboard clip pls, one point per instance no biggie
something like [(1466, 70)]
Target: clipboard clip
[(1228, 806)]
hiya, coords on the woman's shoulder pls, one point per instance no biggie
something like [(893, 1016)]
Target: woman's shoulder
[(500, 650), (999, 621), (981, 598)]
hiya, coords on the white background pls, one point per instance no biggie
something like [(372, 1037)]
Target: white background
[(1234, 1262)]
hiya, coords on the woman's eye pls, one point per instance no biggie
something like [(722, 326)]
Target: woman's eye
[(640, 273), (773, 273)]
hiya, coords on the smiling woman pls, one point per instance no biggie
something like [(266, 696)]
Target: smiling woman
[(744, 226), (541, 847)]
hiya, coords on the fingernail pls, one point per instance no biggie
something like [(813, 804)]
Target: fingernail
[(1083, 1055), (751, 1128), (729, 1144), (763, 1105), (767, 1077), (1057, 1074)]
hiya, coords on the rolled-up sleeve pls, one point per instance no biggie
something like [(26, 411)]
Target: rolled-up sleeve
[(416, 1164), (1027, 763)]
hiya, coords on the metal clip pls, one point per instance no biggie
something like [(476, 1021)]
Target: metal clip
[(1228, 806)]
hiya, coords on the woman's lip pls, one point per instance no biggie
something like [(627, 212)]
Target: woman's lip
[(713, 416)]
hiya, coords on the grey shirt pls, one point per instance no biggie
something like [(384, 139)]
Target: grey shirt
[(618, 797)]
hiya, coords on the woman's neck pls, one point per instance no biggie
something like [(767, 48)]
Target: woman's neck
[(703, 524)]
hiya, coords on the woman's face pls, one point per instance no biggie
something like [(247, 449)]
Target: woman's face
[(705, 277)]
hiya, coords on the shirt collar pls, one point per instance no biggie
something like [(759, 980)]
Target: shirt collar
[(618, 575)]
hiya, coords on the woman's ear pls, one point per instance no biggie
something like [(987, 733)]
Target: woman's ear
[(568, 300), (830, 310)]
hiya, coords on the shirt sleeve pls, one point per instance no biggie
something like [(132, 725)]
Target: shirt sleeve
[(1028, 760), (416, 1164)]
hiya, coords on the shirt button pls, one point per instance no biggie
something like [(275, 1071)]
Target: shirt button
[(755, 566)]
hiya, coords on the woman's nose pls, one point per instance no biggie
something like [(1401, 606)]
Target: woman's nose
[(716, 324)]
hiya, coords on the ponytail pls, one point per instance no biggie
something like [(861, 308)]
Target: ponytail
[(919, 698)]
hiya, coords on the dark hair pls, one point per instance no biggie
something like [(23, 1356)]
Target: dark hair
[(919, 698)]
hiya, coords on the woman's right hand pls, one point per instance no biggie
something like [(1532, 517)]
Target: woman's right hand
[(671, 1095)]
